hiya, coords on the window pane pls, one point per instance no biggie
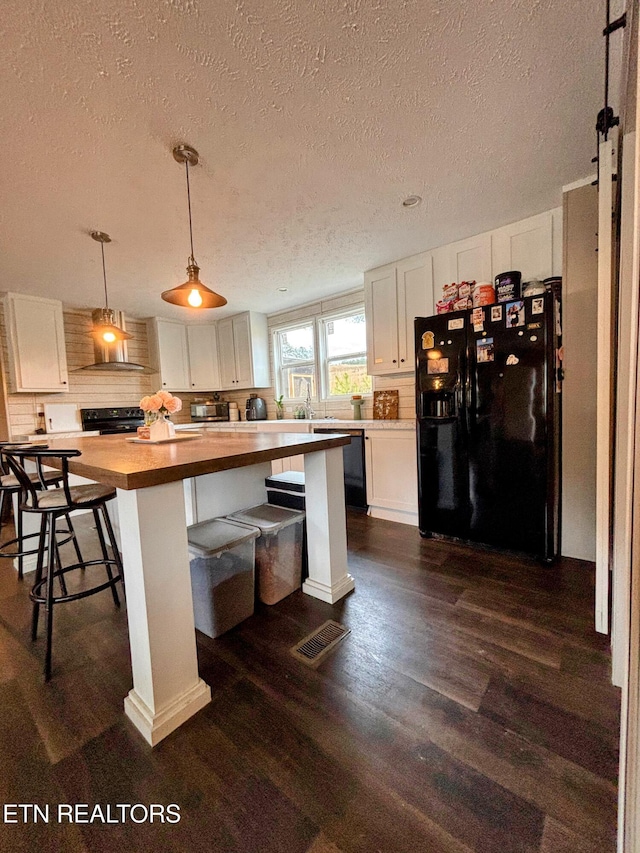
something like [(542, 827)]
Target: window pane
[(346, 335), (348, 376), (299, 381), (296, 345)]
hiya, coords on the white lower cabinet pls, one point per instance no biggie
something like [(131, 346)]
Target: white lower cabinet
[(390, 460), (392, 477)]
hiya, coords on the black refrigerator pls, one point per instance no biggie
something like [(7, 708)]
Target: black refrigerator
[(488, 394)]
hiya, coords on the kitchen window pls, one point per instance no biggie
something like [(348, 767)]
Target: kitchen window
[(295, 358), (343, 340), (324, 358)]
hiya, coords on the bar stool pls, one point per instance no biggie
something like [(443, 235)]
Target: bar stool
[(9, 486), (52, 504)]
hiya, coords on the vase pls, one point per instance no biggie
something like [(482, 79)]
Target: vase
[(279, 413), (161, 429)]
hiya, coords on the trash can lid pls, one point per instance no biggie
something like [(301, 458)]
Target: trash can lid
[(218, 534), (268, 517), (293, 480)]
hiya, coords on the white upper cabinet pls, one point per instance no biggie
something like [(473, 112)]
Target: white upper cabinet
[(470, 259), (227, 353), (415, 299), (532, 245), (394, 295), (37, 356), (381, 312), (171, 355), (243, 347), (204, 368), (186, 356), (526, 246)]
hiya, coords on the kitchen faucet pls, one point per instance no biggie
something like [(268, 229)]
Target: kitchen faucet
[(307, 403)]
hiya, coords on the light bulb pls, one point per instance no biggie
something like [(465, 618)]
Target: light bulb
[(109, 337), (195, 299)]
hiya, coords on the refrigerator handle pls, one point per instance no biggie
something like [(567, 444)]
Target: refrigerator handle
[(468, 390)]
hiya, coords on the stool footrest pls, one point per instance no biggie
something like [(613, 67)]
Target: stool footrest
[(13, 554), (38, 598)]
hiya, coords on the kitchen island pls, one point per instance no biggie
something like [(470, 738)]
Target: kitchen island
[(167, 689)]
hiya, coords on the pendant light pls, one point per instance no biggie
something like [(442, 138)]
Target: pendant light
[(193, 293), (105, 329)]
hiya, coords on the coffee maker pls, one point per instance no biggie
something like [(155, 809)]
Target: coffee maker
[(256, 409)]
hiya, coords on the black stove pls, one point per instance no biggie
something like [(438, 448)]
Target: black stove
[(112, 421)]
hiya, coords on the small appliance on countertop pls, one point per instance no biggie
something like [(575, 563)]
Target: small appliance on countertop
[(209, 410), (256, 409)]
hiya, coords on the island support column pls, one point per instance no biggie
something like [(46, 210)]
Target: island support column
[(328, 578), (166, 687)]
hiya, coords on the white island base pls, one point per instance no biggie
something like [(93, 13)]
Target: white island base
[(153, 529)]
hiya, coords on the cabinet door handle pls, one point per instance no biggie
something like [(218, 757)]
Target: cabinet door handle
[(402, 359), (394, 360), (64, 381)]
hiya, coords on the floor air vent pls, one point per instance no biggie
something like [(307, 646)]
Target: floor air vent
[(316, 646)]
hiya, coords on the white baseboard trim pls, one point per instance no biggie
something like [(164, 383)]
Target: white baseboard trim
[(399, 515), (328, 593), (156, 727)]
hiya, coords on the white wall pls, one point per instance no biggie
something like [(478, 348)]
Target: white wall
[(579, 312)]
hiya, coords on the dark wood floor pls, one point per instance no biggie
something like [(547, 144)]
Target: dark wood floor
[(470, 709)]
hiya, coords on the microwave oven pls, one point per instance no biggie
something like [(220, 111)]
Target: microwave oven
[(214, 411)]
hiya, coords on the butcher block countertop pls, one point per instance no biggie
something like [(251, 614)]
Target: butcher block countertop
[(113, 460)]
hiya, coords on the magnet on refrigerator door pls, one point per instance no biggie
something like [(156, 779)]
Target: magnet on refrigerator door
[(485, 351), (477, 319), (428, 341), (515, 314)]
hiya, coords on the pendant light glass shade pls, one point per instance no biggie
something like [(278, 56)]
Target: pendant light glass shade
[(106, 329), (193, 293)]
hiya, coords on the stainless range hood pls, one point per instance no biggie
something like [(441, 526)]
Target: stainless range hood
[(112, 357)]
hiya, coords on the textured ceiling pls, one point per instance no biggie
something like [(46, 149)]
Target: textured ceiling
[(313, 119)]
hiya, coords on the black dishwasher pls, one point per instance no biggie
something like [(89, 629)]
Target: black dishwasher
[(355, 482)]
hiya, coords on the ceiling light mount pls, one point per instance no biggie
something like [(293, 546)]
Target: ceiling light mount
[(186, 154), (412, 201), (106, 329), (193, 293)]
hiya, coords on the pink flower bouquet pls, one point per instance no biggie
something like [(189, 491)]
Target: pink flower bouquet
[(160, 403)]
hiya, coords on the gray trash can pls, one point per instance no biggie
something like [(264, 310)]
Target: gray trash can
[(278, 550), (222, 563)]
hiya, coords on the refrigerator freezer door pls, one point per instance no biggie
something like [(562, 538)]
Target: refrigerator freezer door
[(510, 433), (441, 389)]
